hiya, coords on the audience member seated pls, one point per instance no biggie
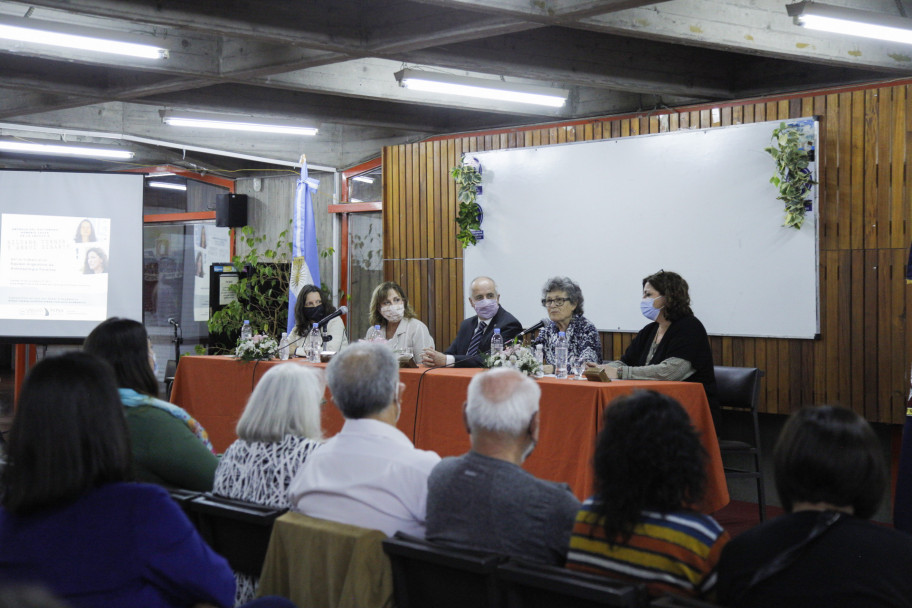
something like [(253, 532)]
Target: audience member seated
[(484, 500), (563, 301), (640, 524), (674, 346), (170, 448), (473, 338), (831, 476), (279, 428), (312, 305), (72, 521), (369, 474), (404, 332)]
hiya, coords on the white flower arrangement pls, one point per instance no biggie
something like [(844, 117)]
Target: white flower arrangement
[(258, 347), (515, 356)]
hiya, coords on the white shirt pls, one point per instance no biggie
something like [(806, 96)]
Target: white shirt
[(335, 328), (369, 475), (411, 336)]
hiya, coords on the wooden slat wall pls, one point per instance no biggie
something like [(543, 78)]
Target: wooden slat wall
[(862, 358)]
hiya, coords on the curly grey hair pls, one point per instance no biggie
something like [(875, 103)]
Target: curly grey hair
[(567, 285)]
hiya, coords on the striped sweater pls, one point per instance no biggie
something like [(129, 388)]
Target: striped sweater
[(671, 552)]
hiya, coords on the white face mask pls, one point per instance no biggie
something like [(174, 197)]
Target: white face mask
[(392, 312)]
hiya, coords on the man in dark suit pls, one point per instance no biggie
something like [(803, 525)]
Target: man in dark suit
[(474, 335)]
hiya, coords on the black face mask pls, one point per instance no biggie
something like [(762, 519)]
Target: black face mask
[(314, 314)]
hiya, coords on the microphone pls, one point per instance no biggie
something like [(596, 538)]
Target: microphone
[(341, 311), (535, 327), (173, 322)]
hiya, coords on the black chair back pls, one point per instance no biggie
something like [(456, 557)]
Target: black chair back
[(677, 601), (237, 530), (427, 575), (738, 388), (183, 498), (537, 586), (739, 396)]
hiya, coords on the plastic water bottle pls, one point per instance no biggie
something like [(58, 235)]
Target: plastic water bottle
[(540, 359), (283, 346), (560, 356), (246, 331), (496, 342), (314, 344), (375, 334)]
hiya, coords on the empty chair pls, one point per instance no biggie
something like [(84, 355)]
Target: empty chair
[(427, 575), (527, 585), (238, 531), (318, 563), (739, 393)]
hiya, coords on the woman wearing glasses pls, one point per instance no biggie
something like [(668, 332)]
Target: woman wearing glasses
[(563, 300), (674, 345)]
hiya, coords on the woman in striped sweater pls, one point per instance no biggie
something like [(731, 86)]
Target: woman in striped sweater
[(641, 525)]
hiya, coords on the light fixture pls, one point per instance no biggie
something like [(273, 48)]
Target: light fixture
[(851, 22), (60, 150), (167, 185), (205, 120), (72, 37), (363, 179), (449, 84)]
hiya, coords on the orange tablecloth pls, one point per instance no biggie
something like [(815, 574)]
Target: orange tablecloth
[(215, 389)]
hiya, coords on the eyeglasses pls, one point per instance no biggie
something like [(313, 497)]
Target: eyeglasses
[(554, 302)]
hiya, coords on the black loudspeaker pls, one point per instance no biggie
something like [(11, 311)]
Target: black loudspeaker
[(231, 210)]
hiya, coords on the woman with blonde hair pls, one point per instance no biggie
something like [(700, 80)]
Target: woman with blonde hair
[(403, 331)]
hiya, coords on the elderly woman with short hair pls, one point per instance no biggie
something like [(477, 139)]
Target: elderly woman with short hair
[(563, 300), (279, 428)]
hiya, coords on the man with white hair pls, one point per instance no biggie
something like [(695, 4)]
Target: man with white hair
[(369, 474), (473, 338), (484, 500)]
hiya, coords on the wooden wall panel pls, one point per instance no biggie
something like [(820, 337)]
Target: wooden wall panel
[(863, 355)]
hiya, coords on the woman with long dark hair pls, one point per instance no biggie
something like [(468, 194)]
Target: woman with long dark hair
[(641, 524), (169, 447), (70, 518), (313, 304)]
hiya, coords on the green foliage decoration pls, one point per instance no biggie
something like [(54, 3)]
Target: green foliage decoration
[(468, 217), (262, 296), (793, 178)]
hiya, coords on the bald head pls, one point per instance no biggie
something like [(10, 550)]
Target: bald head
[(501, 401), (483, 288)]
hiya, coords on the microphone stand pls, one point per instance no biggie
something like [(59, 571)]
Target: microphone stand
[(177, 340)]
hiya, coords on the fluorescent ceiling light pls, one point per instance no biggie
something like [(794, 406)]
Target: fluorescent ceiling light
[(203, 120), (449, 84), (57, 150), (167, 185), (851, 22), (160, 174), (70, 37), (363, 179)]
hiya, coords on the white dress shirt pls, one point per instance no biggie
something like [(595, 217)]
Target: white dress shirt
[(411, 336), (369, 475)]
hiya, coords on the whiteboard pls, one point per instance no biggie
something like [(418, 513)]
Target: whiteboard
[(608, 213)]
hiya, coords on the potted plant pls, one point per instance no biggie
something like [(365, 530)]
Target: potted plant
[(793, 154), (468, 187), (262, 295)]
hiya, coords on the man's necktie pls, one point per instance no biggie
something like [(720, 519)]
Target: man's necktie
[(476, 339)]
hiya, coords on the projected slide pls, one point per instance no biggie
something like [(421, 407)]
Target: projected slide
[(54, 267)]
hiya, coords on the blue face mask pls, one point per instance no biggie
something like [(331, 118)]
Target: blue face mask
[(648, 310)]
